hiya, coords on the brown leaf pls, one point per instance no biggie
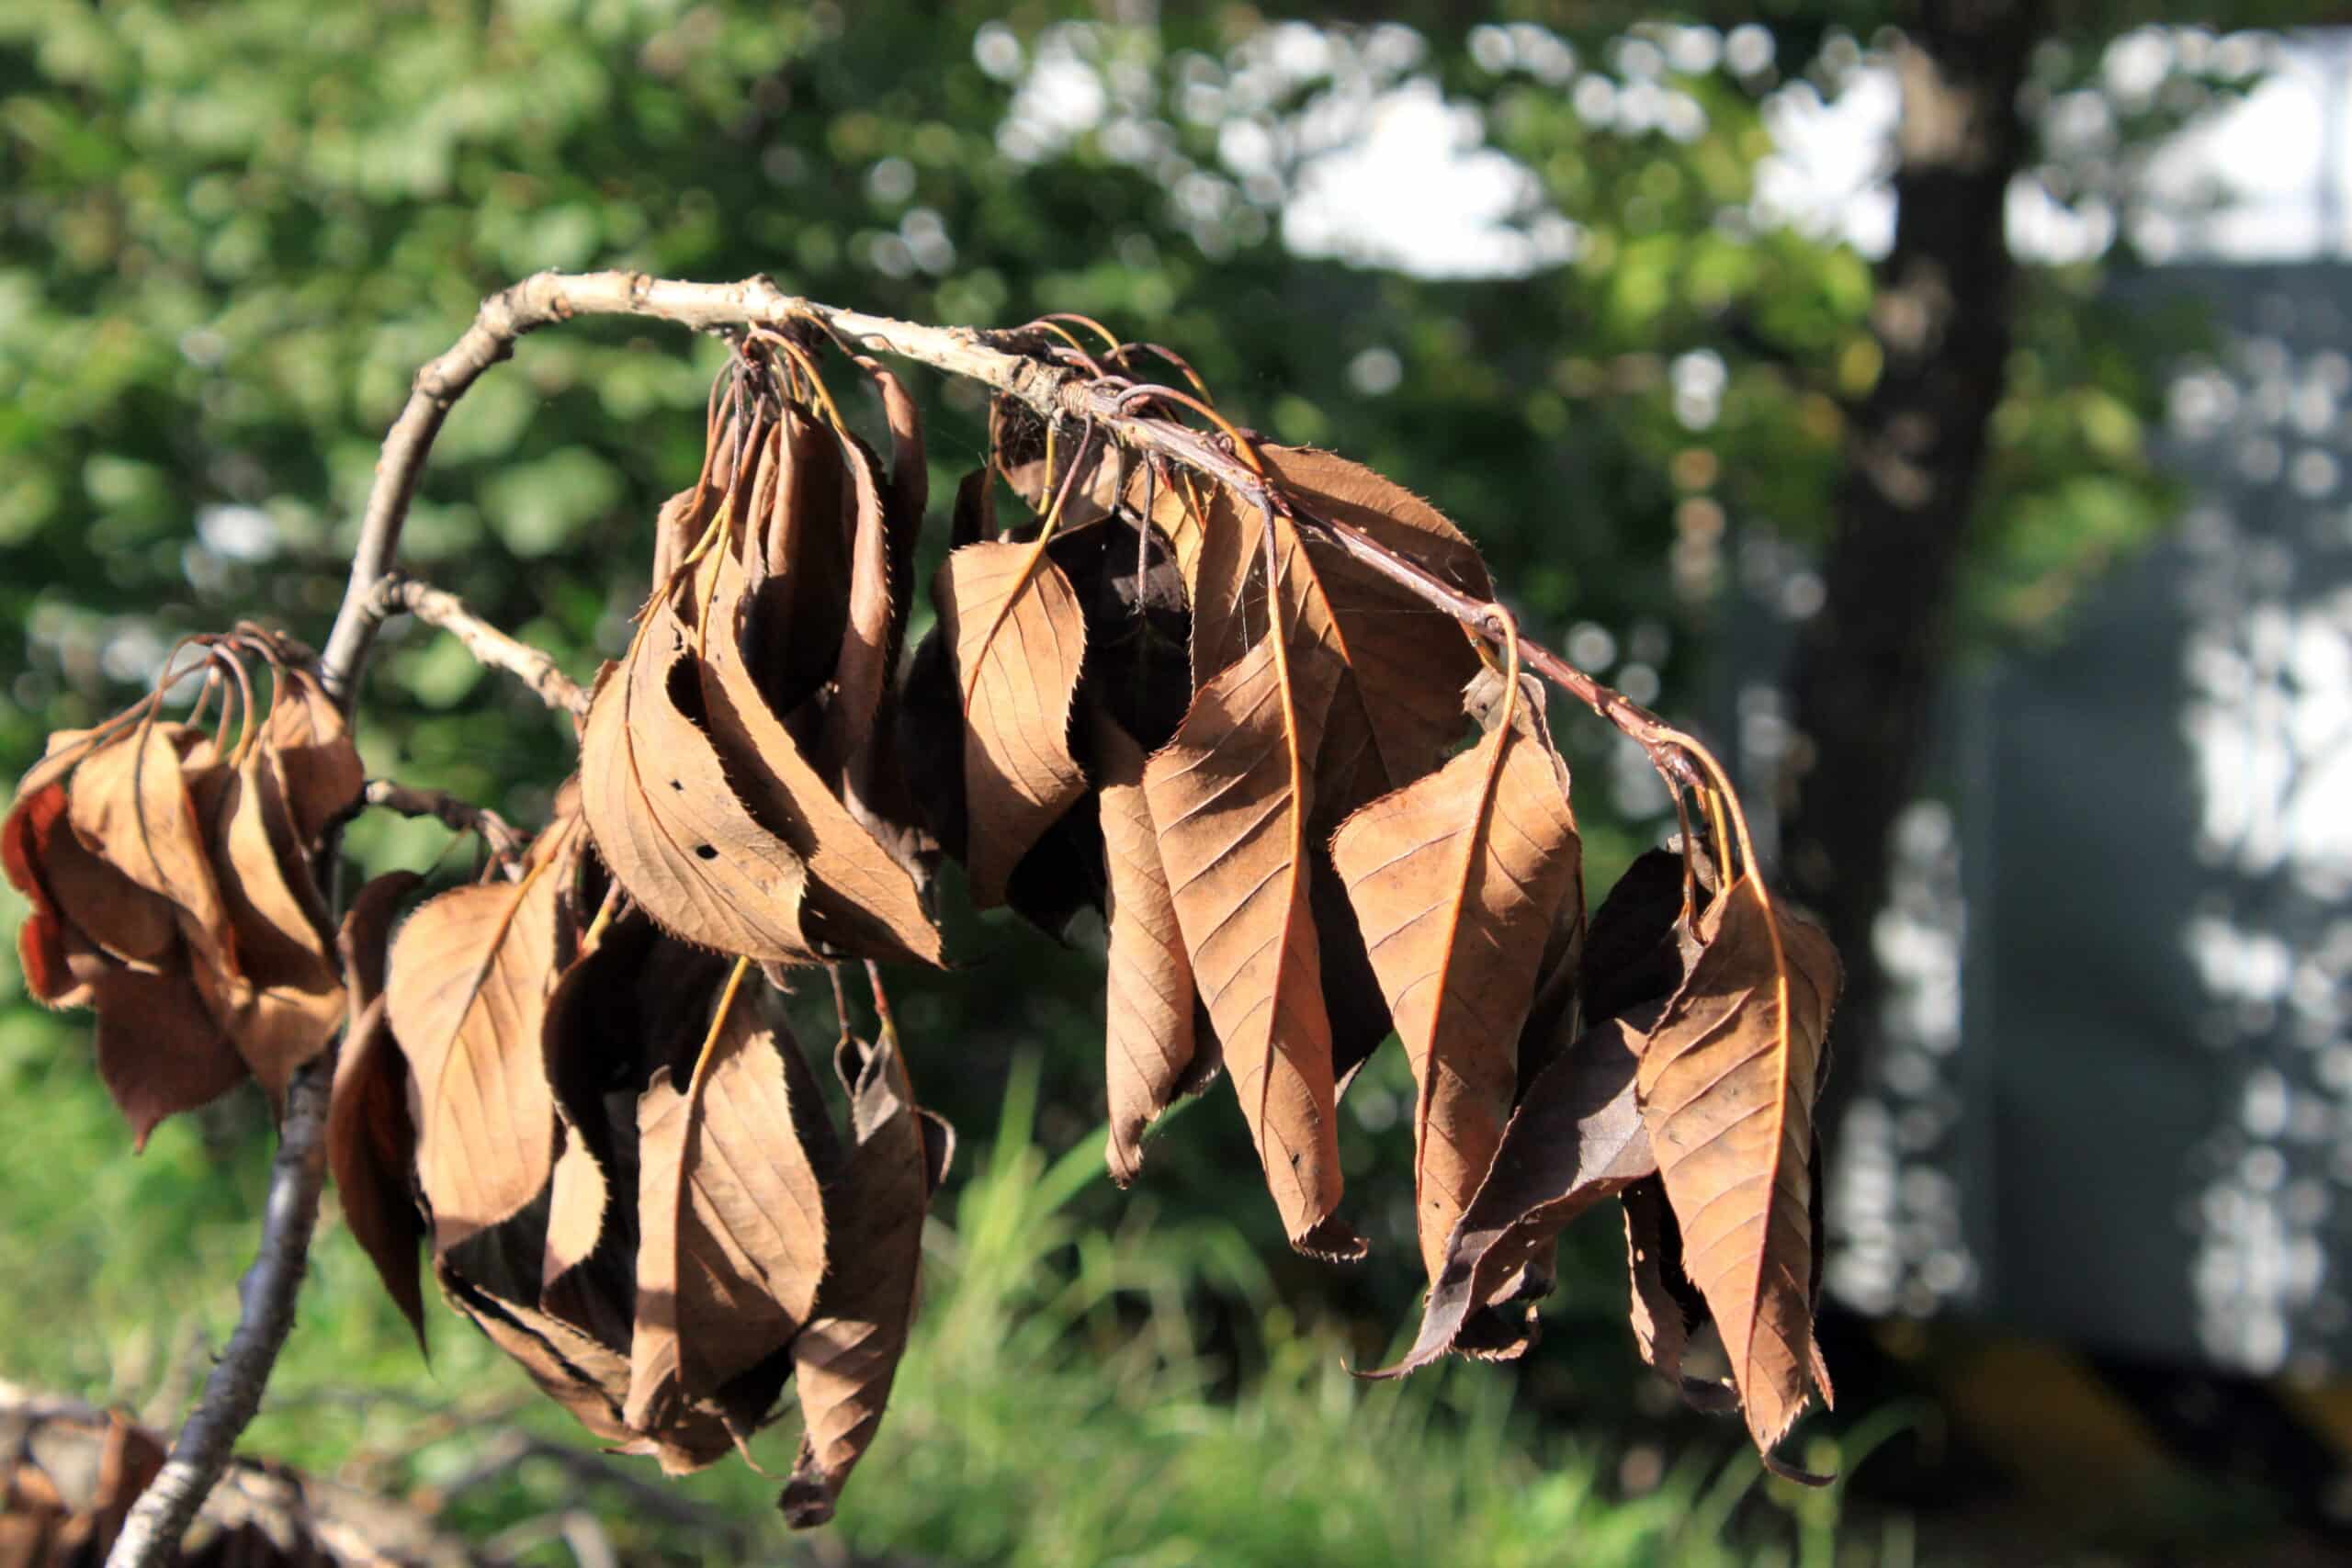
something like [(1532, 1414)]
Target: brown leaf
[(797, 555), (1665, 1304), (318, 766), (1458, 880), (370, 1140), (130, 806), (859, 899), (848, 1356), (1726, 1084), (1577, 1139), (1398, 710), (468, 998), (732, 1221), (1230, 797), (95, 938), (586, 1378), (666, 818), (286, 1000), (1017, 639), (1147, 1024), (861, 670)]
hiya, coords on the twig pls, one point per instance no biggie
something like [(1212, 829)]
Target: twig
[(232, 1394), (455, 815), (396, 592)]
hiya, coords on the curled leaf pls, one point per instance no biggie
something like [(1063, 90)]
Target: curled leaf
[(848, 1356)]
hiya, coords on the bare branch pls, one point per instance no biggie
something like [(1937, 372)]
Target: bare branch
[(494, 649), (232, 1394), (455, 815)]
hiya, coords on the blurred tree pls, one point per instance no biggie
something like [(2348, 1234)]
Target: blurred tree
[(229, 233)]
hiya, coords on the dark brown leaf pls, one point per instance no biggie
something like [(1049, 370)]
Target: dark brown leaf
[(1577, 1139), (1147, 1024)]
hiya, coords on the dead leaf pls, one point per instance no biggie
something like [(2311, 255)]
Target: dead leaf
[(1578, 1138), (370, 1139), (858, 898), (848, 1356), (1458, 880), (1230, 797), (1726, 1084), (1148, 1025), (319, 769), (1016, 638), (468, 998), (731, 1220), (1665, 1305), (286, 1000)]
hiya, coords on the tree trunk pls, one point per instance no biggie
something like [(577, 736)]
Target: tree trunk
[(1867, 667)]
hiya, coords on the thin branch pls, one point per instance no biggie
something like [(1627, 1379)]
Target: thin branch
[(455, 815), (232, 1394), (996, 360), (494, 649)]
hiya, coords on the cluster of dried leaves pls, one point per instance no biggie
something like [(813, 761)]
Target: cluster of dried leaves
[(69, 1475), (1309, 808)]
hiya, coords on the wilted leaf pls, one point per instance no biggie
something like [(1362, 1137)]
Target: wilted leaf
[(859, 899), (848, 1356), (586, 1378), (1017, 640), (1665, 1304), (287, 999), (95, 938), (731, 1222), (1148, 1007), (1577, 1139), (370, 1140), (1727, 1082), (1458, 880), (318, 766), (1230, 797), (468, 998)]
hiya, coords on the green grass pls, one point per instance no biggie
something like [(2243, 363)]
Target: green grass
[(1058, 1406)]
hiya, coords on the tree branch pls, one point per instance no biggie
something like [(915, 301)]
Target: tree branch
[(395, 591), (455, 815), (996, 360), (232, 1394)]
